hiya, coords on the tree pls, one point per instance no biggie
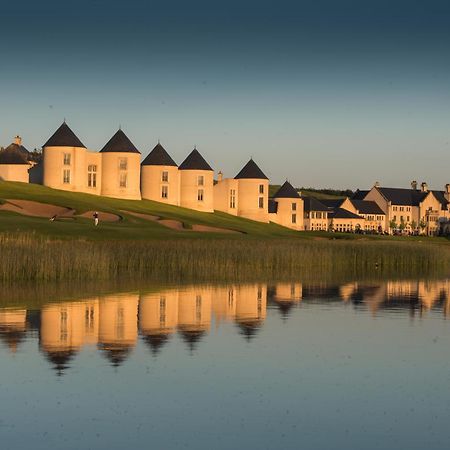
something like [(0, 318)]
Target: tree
[(422, 225), (331, 227), (402, 225), (414, 225), (393, 225)]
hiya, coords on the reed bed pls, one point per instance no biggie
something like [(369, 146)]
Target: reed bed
[(30, 258)]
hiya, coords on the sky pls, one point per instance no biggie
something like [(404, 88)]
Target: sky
[(323, 93)]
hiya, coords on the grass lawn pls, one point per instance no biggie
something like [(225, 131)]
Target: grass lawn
[(132, 227)]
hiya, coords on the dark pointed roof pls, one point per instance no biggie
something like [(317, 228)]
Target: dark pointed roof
[(333, 202), (18, 148), (64, 137), (12, 156), (399, 196), (340, 213), (194, 161), (367, 207), (312, 204), (158, 157), (251, 171), (287, 191), (119, 143)]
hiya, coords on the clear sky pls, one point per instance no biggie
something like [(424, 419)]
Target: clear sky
[(325, 93)]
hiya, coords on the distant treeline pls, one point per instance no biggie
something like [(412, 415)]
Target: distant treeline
[(329, 191)]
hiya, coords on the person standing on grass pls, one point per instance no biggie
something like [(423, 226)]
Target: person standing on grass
[(95, 218)]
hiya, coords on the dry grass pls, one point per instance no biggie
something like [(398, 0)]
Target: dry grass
[(26, 257)]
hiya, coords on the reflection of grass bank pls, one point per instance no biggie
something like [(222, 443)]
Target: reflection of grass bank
[(26, 257)]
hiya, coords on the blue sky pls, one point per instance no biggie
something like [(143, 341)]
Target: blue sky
[(324, 93)]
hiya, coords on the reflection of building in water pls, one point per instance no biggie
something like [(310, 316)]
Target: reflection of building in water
[(347, 291), (158, 317), (194, 314), (286, 295), (13, 327), (118, 326), (65, 328), (251, 308), (224, 303), (432, 292)]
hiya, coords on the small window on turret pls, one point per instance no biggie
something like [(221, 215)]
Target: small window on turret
[(165, 176), (67, 159), (261, 189), (123, 163)]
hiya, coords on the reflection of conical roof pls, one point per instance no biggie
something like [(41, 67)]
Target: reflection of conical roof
[(119, 143), (116, 353), (64, 137), (251, 171), (284, 307), (60, 359), (249, 328), (156, 341), (158, 157), (194, 161), (192, 338), (12, 337)]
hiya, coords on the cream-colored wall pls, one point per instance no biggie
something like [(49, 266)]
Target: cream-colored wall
[(222, 196), (430, 212), (111, 179), (15, 172), (151, 184), (285, 211), (316, 221), (93, 158), (343, 225), (189, 190), (249, 195), (158, 312)]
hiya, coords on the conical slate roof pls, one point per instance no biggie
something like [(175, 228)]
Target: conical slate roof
[(194, 161), (287, 191), (251, 171), (158, 157), (119, 143), (64, 137), (12, 156)]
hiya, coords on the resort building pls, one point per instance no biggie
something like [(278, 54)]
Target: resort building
[(245, 195), (315, 215), (411, 210), (160, 178), (14, 162), (196, 183), (286, 207)]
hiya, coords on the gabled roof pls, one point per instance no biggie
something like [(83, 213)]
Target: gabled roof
[(333, 202), (340, 213), (287, 191), (251, 171), (405, 197), (12, 156), (194, 161), (440, 195), (360, 195), (367, 207), (119, 143), (64, 137), (312, 204), (158, 157), (18, 148)]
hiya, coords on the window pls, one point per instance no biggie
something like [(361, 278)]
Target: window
[(92, 175), (164, 191), (165, 176), (67, 159), (123, 180), (261, 189), (294, 218), (233, 198), (294, 206), (123, 163), (200, 195), (200, 180), (261, 202), (66, 176)]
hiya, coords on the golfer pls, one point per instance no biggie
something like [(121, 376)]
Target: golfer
[(95, 218)]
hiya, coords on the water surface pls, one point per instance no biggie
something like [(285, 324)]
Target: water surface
[(265, 365)]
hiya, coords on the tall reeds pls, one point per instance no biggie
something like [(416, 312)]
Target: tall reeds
[(31, 258)]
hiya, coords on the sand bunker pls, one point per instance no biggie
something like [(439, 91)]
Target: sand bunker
[(102, 216), (36, 209), (178, 226)]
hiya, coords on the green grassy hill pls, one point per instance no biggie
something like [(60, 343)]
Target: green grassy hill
[(130, 227)]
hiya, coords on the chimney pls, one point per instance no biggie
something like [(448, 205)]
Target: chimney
[(447, 192), (18, 140), (414, 185), (377, 184), (424, 187), (220, 176)]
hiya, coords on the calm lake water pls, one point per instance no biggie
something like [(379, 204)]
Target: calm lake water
[(271, 365)]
